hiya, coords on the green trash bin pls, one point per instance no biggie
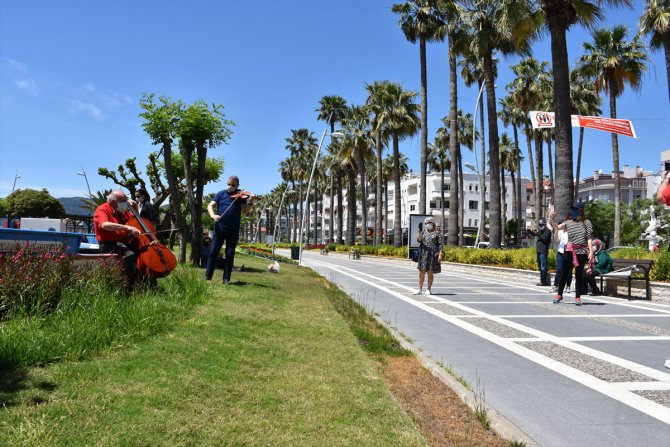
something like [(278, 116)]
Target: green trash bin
[(295, 252)]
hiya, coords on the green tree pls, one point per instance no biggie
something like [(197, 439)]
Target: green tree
[(422, 20), (3, 206), (439, 160), (614, 61), (497, 25), (655, 20), (559, 16), (33, 203)]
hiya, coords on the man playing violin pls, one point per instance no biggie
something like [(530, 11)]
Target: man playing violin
[(114, 236), (230, 203)]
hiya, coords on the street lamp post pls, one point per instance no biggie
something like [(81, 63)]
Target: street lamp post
[(83, 173), (309, 186), (482, 214), (17, 176), (277, 221)]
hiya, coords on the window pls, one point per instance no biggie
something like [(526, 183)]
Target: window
[(412, 207), (476, 220), (447, 187), (470, 187), (446, 205), (476, 188), (469, 222), (433, 205), (486, 206), (474, 205)]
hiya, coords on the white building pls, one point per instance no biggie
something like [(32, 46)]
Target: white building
[(409, 189), (636, 183)]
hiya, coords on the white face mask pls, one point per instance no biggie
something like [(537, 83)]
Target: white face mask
[(232, 189), (121, 207), (141, 199), (430, 226)]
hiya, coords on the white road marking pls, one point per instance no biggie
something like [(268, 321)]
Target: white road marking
[(633, 400)]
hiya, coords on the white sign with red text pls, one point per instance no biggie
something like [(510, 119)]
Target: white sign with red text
[(542, 120)]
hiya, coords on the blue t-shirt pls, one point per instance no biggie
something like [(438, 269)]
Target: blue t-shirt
[(233, 214)]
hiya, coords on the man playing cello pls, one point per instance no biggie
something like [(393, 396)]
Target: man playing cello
[(114, 236), (230, 203)]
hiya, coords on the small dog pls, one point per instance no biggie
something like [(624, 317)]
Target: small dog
[(273, 268)]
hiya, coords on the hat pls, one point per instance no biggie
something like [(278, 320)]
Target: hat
[(577, 205), (542, 223)]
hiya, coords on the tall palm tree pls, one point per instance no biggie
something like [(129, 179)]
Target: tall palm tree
[(373, 103), (615, 62), (301, 145), (422, 20), (507, 153), (496, 25), (510, 114), (560, 15), (656, 20), (332, 109), (526, 93), (398, 113), (439, 160), (585, 101), (388, 171), (286, 169)]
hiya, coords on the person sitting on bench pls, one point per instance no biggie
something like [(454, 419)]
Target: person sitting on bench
[(602, 264)]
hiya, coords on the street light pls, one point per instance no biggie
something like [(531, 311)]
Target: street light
[(83, 173), (482, 214), (309, 185), (17, 176), (277, 222)]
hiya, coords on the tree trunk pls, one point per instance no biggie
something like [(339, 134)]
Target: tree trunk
[(461, 201), (378, 191), (519, 202), (579, 163), (196, 213), (364, 198), (443, 223), (482, 170), (563, 130), (301, 224), (424, 125), (397, 214), (495, 213), (503, 204), (331, 226), (340, 211), (539, 174), (666, 47), (514, 201), (454, 150), (351, 207), (386, 212), (616, 174), (529, 137), (175, 199), (551, 167)]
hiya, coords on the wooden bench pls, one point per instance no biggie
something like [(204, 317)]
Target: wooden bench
[(355, 254), (629, 270)]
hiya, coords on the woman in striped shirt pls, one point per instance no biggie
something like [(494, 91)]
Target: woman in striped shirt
[(578, 250)]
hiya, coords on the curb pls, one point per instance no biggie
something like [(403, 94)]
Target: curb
[(499, 423)]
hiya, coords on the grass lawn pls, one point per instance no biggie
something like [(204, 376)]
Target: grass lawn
[(265, 361)]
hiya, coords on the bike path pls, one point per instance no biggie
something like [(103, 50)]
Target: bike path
[(565, 375)]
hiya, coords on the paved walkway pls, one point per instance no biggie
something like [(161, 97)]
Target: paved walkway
[(565, 375)]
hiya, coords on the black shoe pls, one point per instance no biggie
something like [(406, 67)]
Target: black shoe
[(542, 285), (595, 293), (226, 282)]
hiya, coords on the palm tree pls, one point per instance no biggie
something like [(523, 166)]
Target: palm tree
[(511, 114), (333, 109), (585, 101), (526, 92), (286, 169), (507, 155), (465, 136), (614, 62), (560, 15), (301, 145), (422, 20), (397, 112), (496, 25), (388, 171), (373, 103), (656, 20), (439, 160)]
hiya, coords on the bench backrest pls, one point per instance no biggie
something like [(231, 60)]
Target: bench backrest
[(644, 264)]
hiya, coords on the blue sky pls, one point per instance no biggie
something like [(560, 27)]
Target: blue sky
[(72, 74)]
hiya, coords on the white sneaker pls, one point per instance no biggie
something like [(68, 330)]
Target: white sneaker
[(418, 292), (427, 292), (667, 364), (553, 289), (568, 289)]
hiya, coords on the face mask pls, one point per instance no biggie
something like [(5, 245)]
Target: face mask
[(430, 226), (141, 199), (232, 189), (121, 207)]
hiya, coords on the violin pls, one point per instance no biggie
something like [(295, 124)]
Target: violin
[(154, 259), (239, 194)]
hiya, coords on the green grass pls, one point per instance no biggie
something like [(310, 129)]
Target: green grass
[(266, 361)]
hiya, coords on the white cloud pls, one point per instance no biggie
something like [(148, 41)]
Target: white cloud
[(27, 85), (14, 64), (85, 107)]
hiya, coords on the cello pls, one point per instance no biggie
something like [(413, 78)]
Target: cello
[(154, 259)]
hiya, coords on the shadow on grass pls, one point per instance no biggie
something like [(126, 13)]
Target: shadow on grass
[(14, 380)]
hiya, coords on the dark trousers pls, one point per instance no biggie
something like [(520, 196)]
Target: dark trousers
[(591, 280), (579, 273), (127, 257), (560, 265), (542, 266), (230, 236)]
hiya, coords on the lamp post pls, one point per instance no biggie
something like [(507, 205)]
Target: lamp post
[(17, 176), (309, 186), (83, 173), (482, 215), (277, 221)]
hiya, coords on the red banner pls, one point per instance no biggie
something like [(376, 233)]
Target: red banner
[(621, 127)]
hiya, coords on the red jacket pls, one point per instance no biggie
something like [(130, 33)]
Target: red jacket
[(105, 213), (666, 195)]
